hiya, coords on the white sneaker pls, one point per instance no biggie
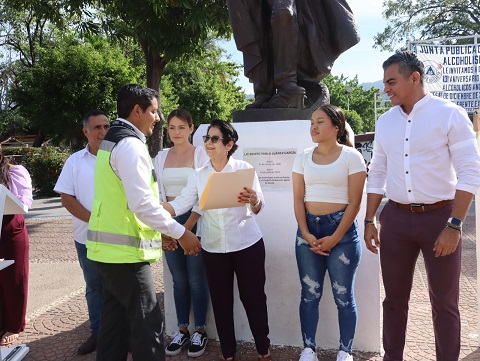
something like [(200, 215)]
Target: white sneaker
[(344, 356), (308, 355)]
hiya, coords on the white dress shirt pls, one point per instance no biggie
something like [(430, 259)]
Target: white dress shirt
[(424, 156), (76, 179), (132, 164), (226, 229)]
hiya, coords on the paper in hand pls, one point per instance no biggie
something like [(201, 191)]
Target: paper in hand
[(222, 189)]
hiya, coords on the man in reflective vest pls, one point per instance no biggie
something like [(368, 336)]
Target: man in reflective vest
[(124, 232)]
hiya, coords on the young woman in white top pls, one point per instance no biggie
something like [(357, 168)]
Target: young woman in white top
[(232, 243), (173, 166), (328, 183)]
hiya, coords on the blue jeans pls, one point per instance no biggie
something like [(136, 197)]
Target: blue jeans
[(93, 285), (189, 283), (341, 264)]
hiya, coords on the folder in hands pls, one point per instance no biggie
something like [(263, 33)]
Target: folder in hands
[(222, 189)]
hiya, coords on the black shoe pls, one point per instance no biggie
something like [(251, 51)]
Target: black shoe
[(198, 343), (290, 95), (179, 340), (260, 99), (88, 346)]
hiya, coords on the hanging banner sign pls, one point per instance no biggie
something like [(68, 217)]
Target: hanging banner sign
[(452, 72)]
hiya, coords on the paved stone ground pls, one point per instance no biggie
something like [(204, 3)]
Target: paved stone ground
[(57, 326)]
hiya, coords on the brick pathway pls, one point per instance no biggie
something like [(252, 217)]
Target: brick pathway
[(54, 332)]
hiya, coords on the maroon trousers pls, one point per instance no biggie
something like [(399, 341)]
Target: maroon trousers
[(248, 265), (403, 235), (14, 278)]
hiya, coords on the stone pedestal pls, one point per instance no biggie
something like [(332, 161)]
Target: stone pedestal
[(270, 145)]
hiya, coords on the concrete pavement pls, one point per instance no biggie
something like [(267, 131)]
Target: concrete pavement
[(58, 321)]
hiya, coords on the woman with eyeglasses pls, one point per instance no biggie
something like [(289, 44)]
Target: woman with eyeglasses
[(328, 183), (232, 243), (173, 166)]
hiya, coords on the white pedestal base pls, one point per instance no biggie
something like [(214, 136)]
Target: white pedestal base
[(278, 225)]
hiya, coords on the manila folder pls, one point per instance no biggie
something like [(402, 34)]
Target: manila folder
[(222, 189)]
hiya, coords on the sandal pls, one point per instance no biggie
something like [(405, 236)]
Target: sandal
[(8, 338)]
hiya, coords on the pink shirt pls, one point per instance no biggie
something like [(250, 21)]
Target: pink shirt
[(21, 184)]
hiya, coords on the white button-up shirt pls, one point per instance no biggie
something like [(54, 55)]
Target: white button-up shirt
[(225, 229), (76, 179), (424, 156), (132, 164)]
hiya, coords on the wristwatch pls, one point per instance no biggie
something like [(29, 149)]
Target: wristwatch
[(455, 222)]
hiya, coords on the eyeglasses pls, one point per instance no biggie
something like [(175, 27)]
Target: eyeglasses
[(213, 138)]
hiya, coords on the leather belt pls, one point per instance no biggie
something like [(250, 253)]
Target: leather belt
[(421, 207)]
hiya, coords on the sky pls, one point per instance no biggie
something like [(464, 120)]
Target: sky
[(361, 60)]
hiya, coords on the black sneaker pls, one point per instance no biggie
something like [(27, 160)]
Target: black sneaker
[(198, 343), (179, 340)]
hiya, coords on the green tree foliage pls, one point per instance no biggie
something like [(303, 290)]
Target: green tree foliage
[(204, 85), (355, 121), (29, 25), (69, 80), (165, 29), (427, 19), (359, 99)]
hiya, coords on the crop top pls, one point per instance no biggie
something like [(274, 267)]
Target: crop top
[(175, 179), (328, 183)]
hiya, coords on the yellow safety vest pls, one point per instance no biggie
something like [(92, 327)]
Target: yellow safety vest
[(115, 234)]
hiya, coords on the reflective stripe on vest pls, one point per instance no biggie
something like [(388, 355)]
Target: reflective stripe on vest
[(123, 240), (115, 234)]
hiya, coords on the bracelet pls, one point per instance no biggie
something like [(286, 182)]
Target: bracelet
[(453, 229), (256, 204), (368, 221)]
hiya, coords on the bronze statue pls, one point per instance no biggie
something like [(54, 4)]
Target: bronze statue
[(289, 46)]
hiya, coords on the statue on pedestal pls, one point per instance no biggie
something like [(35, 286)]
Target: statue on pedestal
[(289, 46)]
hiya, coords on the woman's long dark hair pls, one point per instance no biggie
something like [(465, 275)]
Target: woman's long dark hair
[(181, 114), (4, 171), (337, 117)]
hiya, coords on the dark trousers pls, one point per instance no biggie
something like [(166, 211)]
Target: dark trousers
[(14, 278), (131, 315), (403, 235), (249, 267)]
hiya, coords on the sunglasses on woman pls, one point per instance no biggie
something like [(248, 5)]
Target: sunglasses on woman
[(213, 138)]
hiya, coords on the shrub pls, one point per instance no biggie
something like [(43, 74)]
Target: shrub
[(355, 121), (16, 154), (44, 166)]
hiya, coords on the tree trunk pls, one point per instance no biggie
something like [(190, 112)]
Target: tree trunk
[(39, 139), (155, 65)]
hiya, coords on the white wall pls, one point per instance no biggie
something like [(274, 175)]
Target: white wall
[(277, 222)]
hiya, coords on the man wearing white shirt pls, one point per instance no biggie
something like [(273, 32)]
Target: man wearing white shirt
[(426, 160), (124, 232), (75, 185)]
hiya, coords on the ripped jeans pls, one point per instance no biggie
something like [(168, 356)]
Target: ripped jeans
[(342, 264)]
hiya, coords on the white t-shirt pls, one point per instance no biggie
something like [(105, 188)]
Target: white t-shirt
[(328, 182), (76, 179)]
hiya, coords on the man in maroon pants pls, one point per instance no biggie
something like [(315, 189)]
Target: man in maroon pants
[(426, 159)]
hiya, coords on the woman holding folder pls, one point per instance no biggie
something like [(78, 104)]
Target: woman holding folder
[(232, 242)]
